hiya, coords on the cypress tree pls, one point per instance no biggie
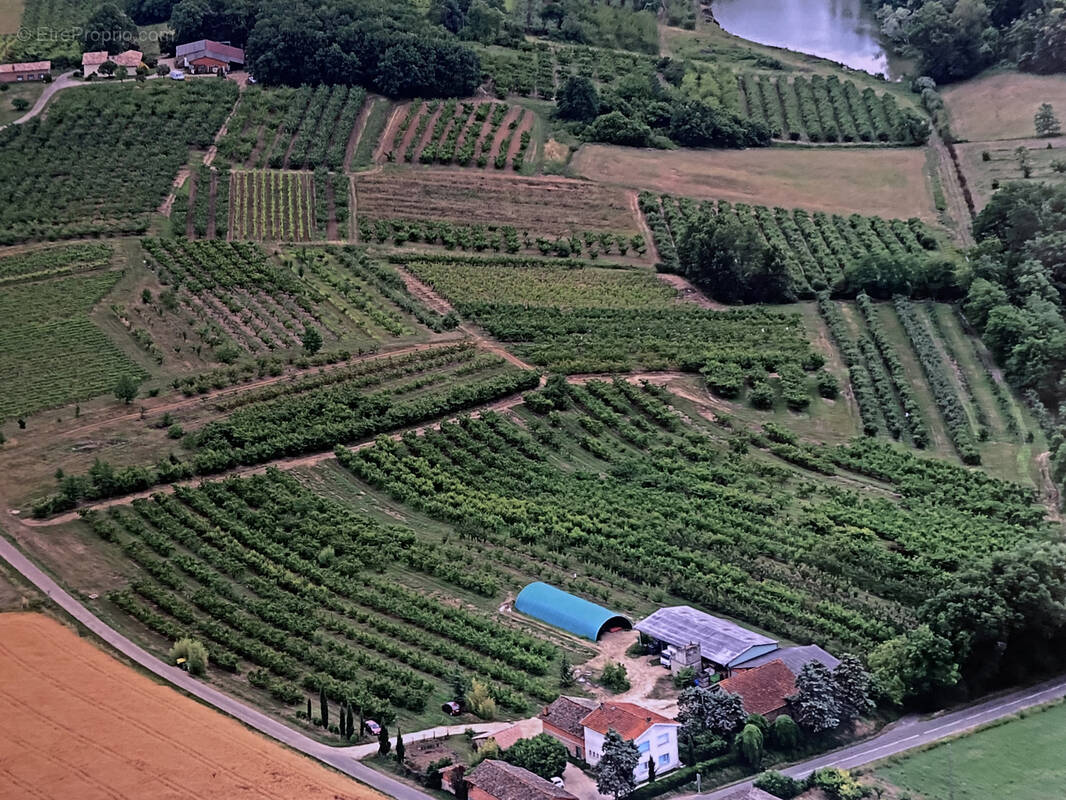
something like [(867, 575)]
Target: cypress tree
[(342, 722), (384, 745), (308, 709), (324, 704), (350, 722), (399, 746)]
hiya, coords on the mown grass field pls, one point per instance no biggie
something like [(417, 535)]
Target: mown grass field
[(1001, 105), (888, 183), (10, 15), (1021, 759), (1002, 165)]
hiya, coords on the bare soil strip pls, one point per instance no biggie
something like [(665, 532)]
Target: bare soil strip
[(516, 141), (423, 292), (232, 206), (427, 134), (486, 127), (468, 125), (389, 134), (353, 201), (503, 131), (687, 293)]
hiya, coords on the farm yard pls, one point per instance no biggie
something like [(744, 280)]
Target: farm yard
[(888, 183), (77, 720), (54, 190), (466, 133)]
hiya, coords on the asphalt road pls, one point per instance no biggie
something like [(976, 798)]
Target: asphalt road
[(339, 758), (914, 732), (909, 732)]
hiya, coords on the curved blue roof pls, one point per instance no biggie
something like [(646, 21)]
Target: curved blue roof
[(566, 611)]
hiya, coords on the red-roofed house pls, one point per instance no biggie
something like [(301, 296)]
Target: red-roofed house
[(765, 690), (562, 721), (27, 71), (208, 56), (498, 780), (91, 62), (654, 735)]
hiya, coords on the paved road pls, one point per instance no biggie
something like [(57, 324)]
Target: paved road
[(64, 81), (340, 758), (913, 732)]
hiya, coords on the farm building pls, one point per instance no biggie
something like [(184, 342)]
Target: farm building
[(506, 738), (498, 780), (690, 638), (764, 690), (206, 56), (794, 658), (91, 62), (562, 720), (654, 735), (567, 611), (28, 71)]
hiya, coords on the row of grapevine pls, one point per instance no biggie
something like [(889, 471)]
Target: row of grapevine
[(230, 563), (912, 414), (52, 262), (269, 205), (938, 375), (293, 128), (460, 132), (826, 109), (538, 69), (503, 238), (744, 547), (818, 248), (862, 384)]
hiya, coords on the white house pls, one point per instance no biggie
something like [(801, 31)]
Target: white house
[(654, 735)]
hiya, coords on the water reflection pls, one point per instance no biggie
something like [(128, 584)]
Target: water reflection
[(840, 30)]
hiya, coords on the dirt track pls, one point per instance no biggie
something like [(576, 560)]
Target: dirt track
[(78, 723)]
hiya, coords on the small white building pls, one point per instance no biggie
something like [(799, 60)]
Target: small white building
[(654, 735)]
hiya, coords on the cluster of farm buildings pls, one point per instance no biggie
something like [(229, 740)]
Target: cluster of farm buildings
[(203, 57), (688, 642)]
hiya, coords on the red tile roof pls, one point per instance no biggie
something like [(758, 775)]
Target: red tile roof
[(207, 61), (131, 59), (565, 713), (764, 689), (628, 719), (93, 58), (507, 782), (28, 66)]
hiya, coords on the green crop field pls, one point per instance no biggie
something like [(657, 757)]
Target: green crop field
[(50, 351), (1021, 759)]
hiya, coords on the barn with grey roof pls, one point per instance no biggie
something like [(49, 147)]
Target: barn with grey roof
[(724, 644)]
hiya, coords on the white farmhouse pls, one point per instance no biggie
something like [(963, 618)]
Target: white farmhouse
[(654, 735)]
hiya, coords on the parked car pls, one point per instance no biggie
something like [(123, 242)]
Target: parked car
[(252, 80), (176, 75), (372, 727), (558, 782), (453, 708)]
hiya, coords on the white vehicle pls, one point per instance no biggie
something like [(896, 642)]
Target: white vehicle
[(558, 781), (252, 80), (176, 75)]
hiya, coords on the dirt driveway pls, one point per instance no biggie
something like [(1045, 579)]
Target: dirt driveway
[(649, 684)]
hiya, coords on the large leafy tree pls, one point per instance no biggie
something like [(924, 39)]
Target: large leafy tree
[(578, 99), (731, 260), (542, 755), (815, 704), (852, 688), (914, 666), (614, 772), (109, 29)]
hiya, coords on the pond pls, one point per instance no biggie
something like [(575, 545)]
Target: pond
[(839, 30)]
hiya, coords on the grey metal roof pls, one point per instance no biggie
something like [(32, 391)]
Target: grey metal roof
[(720, 640), (795, 658)]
